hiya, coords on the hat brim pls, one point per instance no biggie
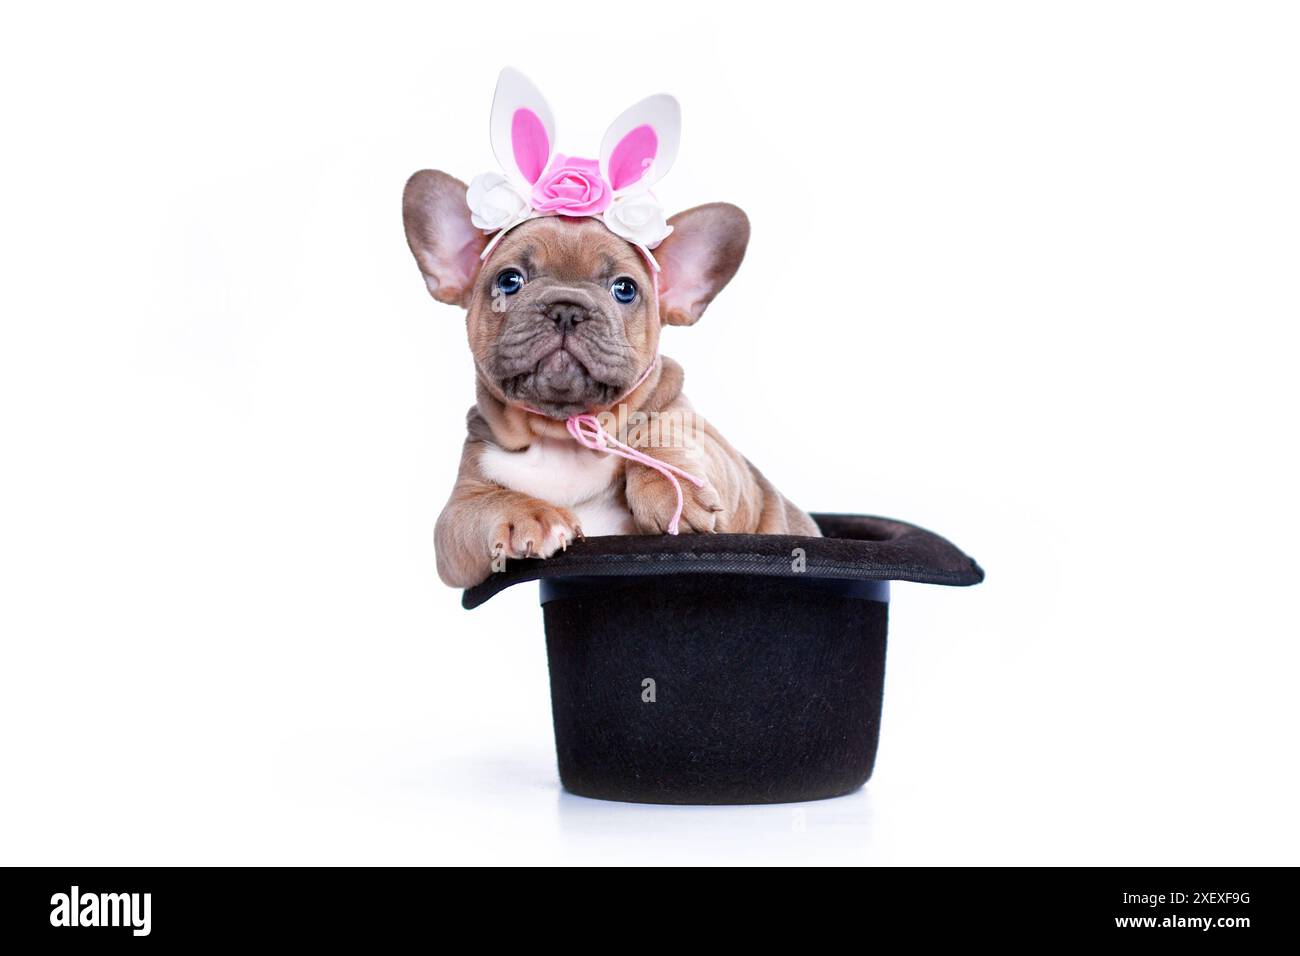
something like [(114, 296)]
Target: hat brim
[(855, 547)]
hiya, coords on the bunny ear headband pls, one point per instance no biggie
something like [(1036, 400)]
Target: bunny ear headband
[(638, 149)]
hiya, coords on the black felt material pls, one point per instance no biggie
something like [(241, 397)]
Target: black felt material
[(767, 690), (768, 667), (854, 547)]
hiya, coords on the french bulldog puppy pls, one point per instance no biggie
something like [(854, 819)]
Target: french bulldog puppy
[(564, 319)]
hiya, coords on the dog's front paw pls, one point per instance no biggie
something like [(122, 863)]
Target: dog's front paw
[(652, 500), (531, 529)]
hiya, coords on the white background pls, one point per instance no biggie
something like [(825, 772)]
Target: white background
[(1022, 273)]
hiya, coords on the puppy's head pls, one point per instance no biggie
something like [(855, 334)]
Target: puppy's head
[(564, 316)]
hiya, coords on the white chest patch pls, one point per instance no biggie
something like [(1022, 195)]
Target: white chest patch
[(566, 474)]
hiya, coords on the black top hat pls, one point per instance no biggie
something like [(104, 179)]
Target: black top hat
[(728, 668)]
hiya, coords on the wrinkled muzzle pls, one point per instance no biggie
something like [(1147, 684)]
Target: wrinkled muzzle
[(563, 351)]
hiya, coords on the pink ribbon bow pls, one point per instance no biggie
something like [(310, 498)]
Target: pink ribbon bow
[(586, 431)]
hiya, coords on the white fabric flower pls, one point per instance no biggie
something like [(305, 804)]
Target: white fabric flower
[(638, 218), (495, 202)]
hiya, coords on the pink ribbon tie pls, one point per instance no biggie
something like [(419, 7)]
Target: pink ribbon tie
[(586, 431)]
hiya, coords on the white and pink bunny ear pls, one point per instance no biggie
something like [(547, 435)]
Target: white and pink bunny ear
[(640, 146), (523, 127)]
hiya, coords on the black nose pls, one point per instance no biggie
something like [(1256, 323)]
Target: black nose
[(566, 314)]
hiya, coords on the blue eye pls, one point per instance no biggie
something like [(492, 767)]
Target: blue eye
[(510, 281), (623, 290)]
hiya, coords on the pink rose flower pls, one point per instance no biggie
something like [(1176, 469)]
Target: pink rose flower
[(572, 187)]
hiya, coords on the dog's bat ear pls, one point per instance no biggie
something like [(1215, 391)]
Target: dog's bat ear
[(640, 146), (698, 258), (523, 127), (446, 245)]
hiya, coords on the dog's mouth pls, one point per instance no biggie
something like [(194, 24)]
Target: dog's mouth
[(560, 384)]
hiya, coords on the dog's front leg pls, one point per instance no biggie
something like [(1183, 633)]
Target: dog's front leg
[(652, 499), (483, 524)]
